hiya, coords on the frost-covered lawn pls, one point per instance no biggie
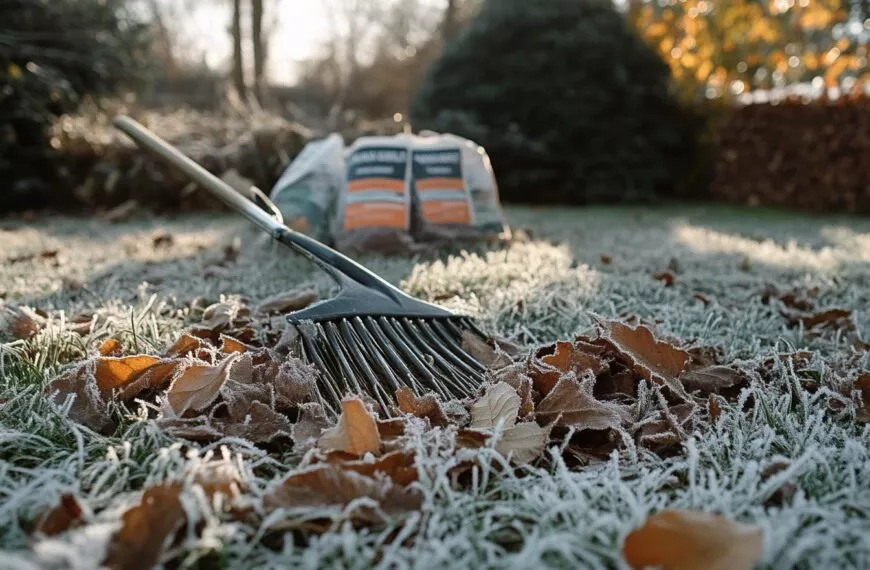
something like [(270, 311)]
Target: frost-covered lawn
[(815, 509)]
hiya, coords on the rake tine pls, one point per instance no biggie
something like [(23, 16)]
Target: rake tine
[(326, 374), (443, 349), (404, 346), (352, 346), (456, 347), (456, 381), (338, 351), (472, 326), (375, 351)]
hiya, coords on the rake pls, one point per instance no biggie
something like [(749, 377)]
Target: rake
[(371, 338)]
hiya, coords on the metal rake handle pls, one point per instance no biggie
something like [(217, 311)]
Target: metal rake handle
[(343, 269)]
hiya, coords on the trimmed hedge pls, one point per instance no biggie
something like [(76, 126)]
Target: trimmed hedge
[(795, 154)]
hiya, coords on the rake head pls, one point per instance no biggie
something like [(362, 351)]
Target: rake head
[(377, 355)]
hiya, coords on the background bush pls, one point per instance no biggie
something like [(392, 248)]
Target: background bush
[(570, 103), (52, 54)]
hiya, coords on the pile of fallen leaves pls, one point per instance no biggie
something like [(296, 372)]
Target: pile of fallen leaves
[(578, 400)]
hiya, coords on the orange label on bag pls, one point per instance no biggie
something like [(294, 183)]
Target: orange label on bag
[(377, 192), (440, 187)]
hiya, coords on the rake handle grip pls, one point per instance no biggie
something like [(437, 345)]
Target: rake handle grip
[(338, 265)]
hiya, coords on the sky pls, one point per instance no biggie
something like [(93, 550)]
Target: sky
[(301, 27)]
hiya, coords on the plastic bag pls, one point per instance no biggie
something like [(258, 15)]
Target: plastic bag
[(455, 194), (375, 207), (308, 190)]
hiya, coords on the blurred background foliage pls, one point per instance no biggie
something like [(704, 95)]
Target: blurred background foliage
[(576, 100)]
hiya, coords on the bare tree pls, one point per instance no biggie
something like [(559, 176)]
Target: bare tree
[(238, 64), (259, 43)]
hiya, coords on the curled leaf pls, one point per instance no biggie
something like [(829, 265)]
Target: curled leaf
[(198, 386), (712, 379), (356, 431), (655, 360), (88, 406), (483, 352), (500, 403), (184, 345), (421, 406), (523, 442), (692, 540), (571, 403)]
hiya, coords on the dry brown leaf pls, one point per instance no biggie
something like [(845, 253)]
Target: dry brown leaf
[(217, 317), (562, 357), (714, 408), (830, 318), (397, 465), (198, 386), (515, 376), (110, 347), (712, 379), (692, 540), (66, 515), (667, 429), (606, 259), (146, 529), (657, 361), (356, 431), (197, 428), (184, 345), (571, 403), (523, 442), (259, 424), (666, 277), (230, 345), (330, 485), (20, 323), (162, 239), (154, 377), (421, 406), (287, 302), (500, 404), (88, 407), (112, 373), (862, 385), (481, 351)]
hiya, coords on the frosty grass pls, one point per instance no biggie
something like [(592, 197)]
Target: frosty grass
[(532, 292)]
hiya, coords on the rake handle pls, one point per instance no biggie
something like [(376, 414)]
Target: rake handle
[(342, 268)]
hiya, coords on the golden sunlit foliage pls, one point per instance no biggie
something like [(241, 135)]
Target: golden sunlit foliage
[(726, 48)]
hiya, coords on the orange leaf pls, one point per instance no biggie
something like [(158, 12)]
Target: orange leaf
[(398, 466), (153, 377), (184, 345), (692, 540), (64, 516), (110, 347), (112, 373), (356, 431), (230, 345)]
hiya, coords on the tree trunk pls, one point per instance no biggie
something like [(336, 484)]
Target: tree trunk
[(238, 76), (259, 48), (450, 24)]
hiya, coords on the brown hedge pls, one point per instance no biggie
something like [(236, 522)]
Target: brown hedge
[(807, 155)]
